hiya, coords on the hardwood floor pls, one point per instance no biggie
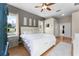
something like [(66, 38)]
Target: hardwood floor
[(21, 51), (18, 51)]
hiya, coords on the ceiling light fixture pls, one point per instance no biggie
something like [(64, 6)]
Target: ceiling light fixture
[(45, 6), (62, 14)]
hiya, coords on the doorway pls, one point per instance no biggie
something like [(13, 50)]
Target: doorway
[(65, 29)]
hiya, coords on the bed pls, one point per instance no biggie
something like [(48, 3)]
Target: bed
[(37, 43)]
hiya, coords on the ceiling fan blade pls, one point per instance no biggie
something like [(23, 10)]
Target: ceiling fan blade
[(50, 4), (49, 9), (41, 10), (37, 6), (45, 4)]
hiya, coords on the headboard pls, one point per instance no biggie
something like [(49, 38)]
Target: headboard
[(29, 30)]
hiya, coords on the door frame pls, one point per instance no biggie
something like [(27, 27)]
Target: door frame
[(68, 31)]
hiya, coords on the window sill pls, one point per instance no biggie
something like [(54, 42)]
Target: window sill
[(12, 36)]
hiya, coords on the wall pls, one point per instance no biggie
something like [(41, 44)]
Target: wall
[(66, 19), (23, 14), (75, 23)]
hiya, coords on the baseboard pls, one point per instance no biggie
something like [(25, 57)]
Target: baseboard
[(64, 37)]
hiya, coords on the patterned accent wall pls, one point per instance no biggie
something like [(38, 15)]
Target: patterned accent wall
[(3, 27), (49, 25)]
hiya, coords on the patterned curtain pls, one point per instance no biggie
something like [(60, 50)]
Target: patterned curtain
[(3, 27)]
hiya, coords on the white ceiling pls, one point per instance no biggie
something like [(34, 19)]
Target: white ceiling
[(66, 9)]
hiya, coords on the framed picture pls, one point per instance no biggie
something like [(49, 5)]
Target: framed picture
[(47, 25)]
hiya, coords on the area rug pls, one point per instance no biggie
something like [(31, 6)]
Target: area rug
[(62, 49)]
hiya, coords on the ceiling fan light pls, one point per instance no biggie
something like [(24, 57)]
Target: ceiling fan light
[(62, 14), (44, 7)]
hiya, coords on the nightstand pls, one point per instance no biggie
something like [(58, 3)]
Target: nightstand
[(13, 41)]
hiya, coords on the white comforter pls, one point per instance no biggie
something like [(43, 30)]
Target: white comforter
[(38, 43)]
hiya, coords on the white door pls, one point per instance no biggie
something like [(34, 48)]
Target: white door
[(66, 29)]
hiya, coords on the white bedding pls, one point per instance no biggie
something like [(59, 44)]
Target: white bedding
[(38, 43)]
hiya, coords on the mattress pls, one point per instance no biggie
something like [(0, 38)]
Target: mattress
[(38, 43)]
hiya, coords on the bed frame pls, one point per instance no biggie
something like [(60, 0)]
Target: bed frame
[(33, 30), (29, 30)]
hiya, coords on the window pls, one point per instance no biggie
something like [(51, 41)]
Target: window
[(11, 25), (25, 21), (30, 22), (34, 22)]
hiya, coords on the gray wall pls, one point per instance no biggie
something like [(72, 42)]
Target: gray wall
[(23, 14)]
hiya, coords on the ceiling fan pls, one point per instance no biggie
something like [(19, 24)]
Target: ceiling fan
[(45, 6)]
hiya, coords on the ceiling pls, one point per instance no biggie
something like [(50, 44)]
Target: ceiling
[(66, 9)]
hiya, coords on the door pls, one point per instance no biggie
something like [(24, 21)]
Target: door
[(66, 29)]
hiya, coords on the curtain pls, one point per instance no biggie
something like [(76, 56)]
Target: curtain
[(3, 27)]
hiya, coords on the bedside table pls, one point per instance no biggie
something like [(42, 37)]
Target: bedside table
[(13, 41)]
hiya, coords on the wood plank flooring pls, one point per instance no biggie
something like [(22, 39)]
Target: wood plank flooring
[(21, 51), (18, 51)]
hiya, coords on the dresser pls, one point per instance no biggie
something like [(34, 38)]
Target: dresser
[(13, 41)]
